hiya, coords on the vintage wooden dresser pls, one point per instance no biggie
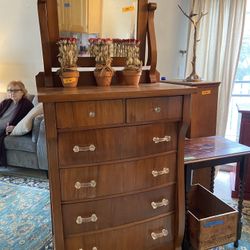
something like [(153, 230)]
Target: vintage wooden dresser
[(116, 165), (116, 154)]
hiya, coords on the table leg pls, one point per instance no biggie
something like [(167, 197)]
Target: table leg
[(212, 179), (240, 202), (188, 179)]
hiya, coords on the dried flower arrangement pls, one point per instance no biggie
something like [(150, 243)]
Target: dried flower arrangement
[(133, 61), (67, 57), (68, 53), (133, 69), (101, 49)]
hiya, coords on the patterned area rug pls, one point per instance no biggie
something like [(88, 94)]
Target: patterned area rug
[(26, 222), (25, 213)]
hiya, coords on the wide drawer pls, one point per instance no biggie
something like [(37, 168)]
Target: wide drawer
[(152, 109), (107, 213), (110, 179), (137, 237), (100, 145), (89, 113)]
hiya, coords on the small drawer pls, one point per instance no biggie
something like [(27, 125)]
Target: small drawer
[(108, 213), (137, 237), (152, 109), (110, 179), (212, 222), (89, 113), (100, 145)]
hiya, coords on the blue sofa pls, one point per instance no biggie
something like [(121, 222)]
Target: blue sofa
[(28, 150)]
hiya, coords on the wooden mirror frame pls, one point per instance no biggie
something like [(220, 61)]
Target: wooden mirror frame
[(49, 29)]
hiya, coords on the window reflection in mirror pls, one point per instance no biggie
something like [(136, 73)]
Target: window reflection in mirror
[(84, 19)]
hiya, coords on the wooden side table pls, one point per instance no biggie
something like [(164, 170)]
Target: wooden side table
[(203, 119), (212, 151), (244, 112)]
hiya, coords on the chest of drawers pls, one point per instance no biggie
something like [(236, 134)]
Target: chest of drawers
[(116, 166)]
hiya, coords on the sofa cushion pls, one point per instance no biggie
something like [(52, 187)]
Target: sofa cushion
[(22, 143), (25, 125), (22, 159)]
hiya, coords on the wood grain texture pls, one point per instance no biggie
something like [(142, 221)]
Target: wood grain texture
[(137, 236), (213, 225), (91, 113), (113, 212), (121, 165), (243, 139), (180, 204), (112, 92), (55, 192), (115, 143), (152, 109), (118, 178)]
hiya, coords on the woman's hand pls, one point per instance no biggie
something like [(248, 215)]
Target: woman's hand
[(9, 129)]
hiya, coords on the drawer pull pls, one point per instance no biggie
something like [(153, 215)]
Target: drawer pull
[(155, 236), (162, 203), (166, 138), (157, 109), (80, 220), (155, 173), (77, 148), (93, 248), (79, 185), (92, 114)]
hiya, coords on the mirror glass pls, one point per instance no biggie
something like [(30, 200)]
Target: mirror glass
[(84, 19)]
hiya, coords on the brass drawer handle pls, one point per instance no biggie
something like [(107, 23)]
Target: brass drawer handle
[(157, 109), (80, 220), (93, 248), (166, 138), (162, 203), (155, 236), (156, 173), (79, 185), (92, 114), (77, 148)]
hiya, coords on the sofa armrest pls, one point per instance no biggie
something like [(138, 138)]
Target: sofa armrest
[(42, 148), (36, 127)]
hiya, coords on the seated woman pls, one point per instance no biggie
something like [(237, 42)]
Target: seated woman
[(12, 110)]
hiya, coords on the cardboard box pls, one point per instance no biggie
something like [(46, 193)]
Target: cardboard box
[(211, 222)]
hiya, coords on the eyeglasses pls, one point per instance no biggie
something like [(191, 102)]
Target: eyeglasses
[(13, 90)]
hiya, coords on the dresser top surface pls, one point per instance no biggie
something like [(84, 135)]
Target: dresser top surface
[(112, 92), (193, 84)]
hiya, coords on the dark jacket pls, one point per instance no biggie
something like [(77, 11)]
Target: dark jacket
[(23, 108)]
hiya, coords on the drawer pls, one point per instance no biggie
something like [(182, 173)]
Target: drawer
[(152, 109), (107, 213), (89, 113), (110, 179), (100, 145), (137, 237)]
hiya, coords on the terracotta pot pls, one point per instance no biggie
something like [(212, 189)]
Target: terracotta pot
[(131, 77), (103, 78), (69, 78)]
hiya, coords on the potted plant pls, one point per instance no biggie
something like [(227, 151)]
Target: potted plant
[(101, 49), (67, 57), (133, 68)]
